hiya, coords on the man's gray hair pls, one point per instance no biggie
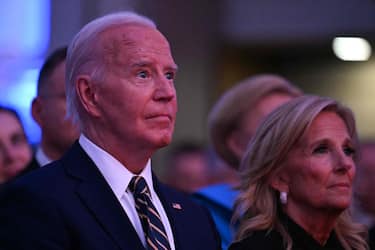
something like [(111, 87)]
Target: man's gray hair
[(85, 57)]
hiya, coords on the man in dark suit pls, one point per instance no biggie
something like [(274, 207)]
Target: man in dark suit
[(48, 109), (120, 90)]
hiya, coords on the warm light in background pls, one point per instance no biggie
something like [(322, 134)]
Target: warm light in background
[(351, 48)]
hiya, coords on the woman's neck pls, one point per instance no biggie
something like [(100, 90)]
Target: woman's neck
[(318, 224)]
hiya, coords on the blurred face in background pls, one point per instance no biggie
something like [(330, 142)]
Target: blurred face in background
[(15, 151), (189, 171), (365, 178), (254, 117), (49, 110)]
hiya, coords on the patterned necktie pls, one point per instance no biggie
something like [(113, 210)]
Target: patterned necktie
[(156, 237)]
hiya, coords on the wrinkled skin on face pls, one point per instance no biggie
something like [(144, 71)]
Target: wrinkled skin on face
[(318, 174), (135, 106)]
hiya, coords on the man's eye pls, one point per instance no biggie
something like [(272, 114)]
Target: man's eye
[(170, 75), (142, 74), (320, 149)]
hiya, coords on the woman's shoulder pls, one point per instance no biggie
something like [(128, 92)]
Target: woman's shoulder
[(265, 240)]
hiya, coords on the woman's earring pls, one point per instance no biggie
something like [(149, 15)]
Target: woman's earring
[(283, 197)]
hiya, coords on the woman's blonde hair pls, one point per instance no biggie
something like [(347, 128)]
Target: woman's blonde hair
[(257, 203)]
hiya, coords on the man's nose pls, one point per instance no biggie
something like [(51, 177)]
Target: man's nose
[(165, 89)]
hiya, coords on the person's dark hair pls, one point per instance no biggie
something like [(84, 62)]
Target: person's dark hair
[(52, 61), (11, 111), (181, 149), (185, 147)]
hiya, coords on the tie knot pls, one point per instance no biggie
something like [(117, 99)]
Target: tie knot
[(138, 185)]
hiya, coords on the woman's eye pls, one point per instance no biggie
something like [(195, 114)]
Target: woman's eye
[(349, 151), (320, 149), (169, 75), (18, 139)]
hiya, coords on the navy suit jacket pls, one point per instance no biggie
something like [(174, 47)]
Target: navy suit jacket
[(69, 205), (33, 165)]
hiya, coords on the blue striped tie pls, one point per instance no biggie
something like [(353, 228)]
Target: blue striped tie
[(156, 237)]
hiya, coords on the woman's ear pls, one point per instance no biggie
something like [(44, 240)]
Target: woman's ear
[(279, 182), (86, 91)]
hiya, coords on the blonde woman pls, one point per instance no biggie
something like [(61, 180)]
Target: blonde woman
[(296, 180)]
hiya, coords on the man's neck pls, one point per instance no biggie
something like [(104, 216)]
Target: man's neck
[(133, 158)]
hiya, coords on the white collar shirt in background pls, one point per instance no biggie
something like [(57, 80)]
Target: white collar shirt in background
[(41, 157)]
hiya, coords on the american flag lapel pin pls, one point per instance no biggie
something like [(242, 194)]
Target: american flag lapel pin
[(176, 206)]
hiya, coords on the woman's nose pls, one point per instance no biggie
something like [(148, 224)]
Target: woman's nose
[(344, 161)]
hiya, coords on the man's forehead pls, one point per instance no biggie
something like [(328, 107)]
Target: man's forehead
[(131, 33), (141, 45)]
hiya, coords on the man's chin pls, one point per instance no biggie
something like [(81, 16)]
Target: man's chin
[(164, 141)]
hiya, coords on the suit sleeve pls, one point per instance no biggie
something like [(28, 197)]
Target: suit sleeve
[(26, 221)]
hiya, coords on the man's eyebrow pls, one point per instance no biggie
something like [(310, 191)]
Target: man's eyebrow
[(140, 64), (173, 67)]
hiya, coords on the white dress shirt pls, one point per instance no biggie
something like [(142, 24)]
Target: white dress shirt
[(118, 178), (41, 157)]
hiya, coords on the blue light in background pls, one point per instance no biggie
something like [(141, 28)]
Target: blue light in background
[(25, 27), (22, 92), (20, 96), (24, 39)]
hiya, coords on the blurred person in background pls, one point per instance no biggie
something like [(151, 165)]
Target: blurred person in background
[(232, 123), (188, 167), (15, 150), (296, 180), (363, 206), (364, 200), (49, 111)]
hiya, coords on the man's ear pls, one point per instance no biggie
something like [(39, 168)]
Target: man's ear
[(86, 91), (235, 144), (36, 110)]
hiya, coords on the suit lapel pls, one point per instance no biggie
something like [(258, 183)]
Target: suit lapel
[(98, 198)]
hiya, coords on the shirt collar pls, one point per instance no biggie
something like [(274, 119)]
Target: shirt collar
[(41, 157), (116, 174)]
